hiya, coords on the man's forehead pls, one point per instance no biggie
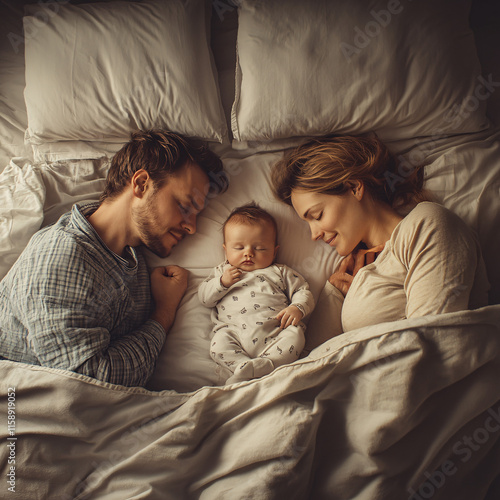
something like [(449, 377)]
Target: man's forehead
[(190, 183)]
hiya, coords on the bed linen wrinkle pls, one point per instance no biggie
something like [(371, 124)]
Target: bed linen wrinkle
[(370, 414), (336, 389)]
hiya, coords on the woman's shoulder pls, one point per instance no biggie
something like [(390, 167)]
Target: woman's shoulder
[(429, 208), (431, 215), (430, 223)]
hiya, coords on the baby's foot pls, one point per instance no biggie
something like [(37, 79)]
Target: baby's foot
[(253, 368)]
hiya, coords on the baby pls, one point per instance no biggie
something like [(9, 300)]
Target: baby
[(258, 305)]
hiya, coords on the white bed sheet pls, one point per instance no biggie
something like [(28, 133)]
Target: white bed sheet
[(462, 173)]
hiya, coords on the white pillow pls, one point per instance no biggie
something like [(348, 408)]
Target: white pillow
[(94, 72), (402, 68)]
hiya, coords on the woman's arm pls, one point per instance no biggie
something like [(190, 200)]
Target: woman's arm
[(441, 255)]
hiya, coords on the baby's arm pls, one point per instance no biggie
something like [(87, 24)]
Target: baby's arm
[(291, 315), (230, 276), (211, 289), (301, 298)]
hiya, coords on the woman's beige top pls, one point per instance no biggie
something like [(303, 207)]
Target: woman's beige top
[(432, 264)]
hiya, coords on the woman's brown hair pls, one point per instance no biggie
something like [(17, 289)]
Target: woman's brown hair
[(161, 153), (332, 165)]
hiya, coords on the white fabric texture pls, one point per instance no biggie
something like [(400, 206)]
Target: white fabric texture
[(372, 415), (95, 72), (22, 197), (13, 119), (403, 69)]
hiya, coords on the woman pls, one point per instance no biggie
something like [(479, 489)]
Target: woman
[(351, 194)]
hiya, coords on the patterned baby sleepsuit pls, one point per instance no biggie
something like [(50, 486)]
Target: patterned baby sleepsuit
[(247, 336)]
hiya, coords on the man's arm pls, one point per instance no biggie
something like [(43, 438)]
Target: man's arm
[(81, 313), (168, 285), (130, 359), (78, 337)]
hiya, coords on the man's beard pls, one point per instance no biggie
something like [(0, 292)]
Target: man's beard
[(147, 222)]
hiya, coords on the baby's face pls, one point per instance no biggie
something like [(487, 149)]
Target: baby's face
[(250, 246)]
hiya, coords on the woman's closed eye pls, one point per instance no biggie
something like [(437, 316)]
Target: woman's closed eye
[(318, 217)]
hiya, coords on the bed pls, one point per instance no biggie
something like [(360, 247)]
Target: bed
[(402, 410)]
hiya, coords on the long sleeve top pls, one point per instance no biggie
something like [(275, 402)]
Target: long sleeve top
[(261, 293), (431, 264), (69, 302)]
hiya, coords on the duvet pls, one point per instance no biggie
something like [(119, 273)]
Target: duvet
[(402, 410)]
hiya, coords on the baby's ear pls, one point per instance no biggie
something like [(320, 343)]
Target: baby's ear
[(276, 251)]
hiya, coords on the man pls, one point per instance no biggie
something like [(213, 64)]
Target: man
[(79, 296)]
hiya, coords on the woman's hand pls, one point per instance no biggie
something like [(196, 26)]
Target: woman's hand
[(349, 267), (342, 277)]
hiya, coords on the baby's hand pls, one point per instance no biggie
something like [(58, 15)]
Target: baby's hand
[(291, 315), (230, 276)]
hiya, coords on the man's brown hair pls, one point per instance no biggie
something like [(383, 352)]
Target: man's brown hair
[(161, 153)]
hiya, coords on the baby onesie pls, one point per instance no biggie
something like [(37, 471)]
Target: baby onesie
[(247, 339)]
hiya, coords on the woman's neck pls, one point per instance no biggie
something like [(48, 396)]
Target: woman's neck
[(384, 220)]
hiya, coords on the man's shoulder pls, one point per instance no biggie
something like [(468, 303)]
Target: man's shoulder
[(60, 237), (60, 247)]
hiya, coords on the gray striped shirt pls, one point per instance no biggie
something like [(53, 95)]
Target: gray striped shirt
[(69, 302)]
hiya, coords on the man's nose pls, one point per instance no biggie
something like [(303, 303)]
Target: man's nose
[(189, 225)]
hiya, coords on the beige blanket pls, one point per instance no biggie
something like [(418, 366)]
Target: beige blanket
[(402, 410)]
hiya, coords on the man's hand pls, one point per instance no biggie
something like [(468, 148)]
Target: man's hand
[(168, 285), (349, 267), (230, 276), (291, 315)]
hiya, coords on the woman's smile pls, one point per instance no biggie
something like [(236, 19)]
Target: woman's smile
[(331, 241)]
